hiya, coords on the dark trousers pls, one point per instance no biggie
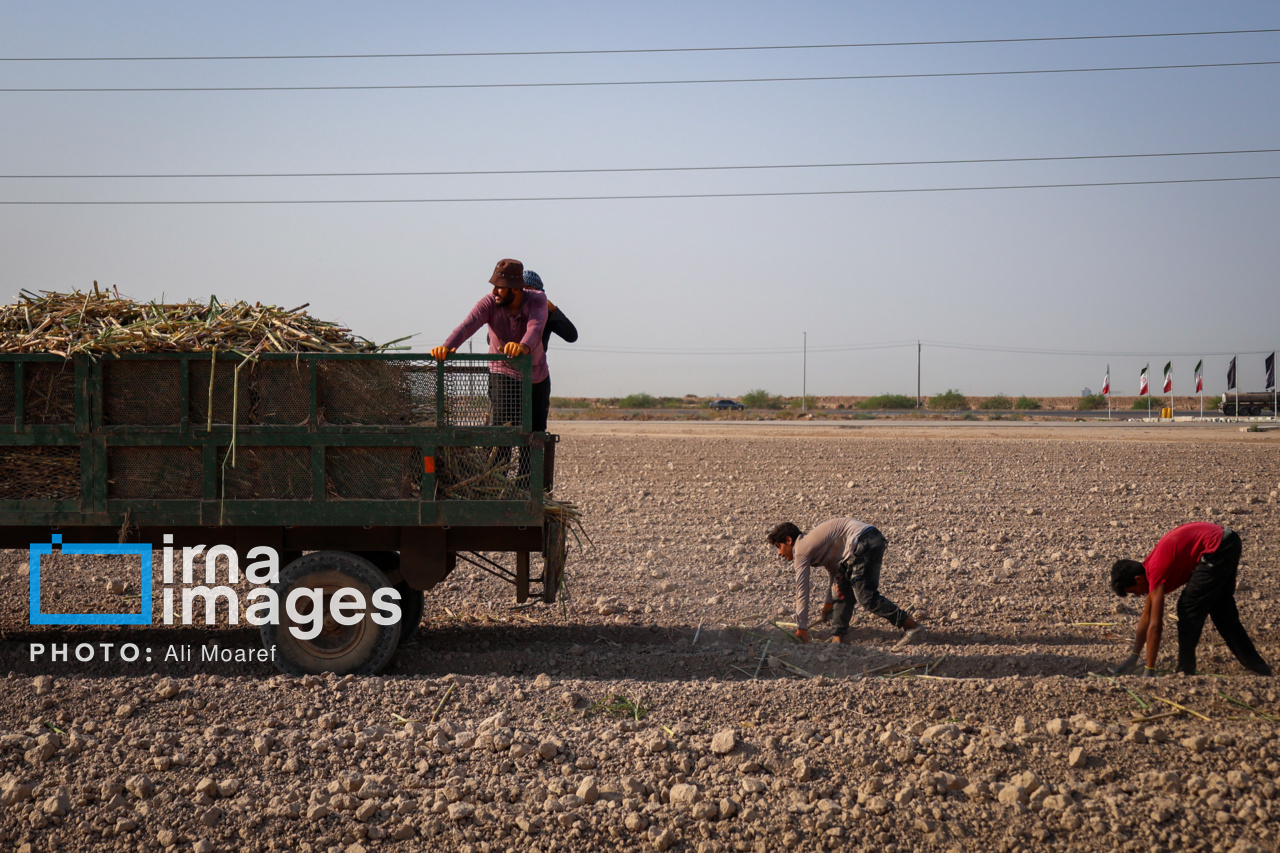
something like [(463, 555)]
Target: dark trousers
[(1211, 592), (859, 581), (504, 398)]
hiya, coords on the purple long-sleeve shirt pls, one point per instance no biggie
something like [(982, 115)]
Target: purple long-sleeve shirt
[(524, 326)]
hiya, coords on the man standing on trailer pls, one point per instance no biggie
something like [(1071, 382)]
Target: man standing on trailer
[(1204, 558), (851, 551), (515, 317)]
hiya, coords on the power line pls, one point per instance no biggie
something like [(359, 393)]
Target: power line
[(741, 350), (654, 196), (636, 169), (1067, 352), (602, 83), (626, 50), (738, 352)]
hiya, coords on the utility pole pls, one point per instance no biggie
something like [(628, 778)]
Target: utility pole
[(804, 374), (917, 374)]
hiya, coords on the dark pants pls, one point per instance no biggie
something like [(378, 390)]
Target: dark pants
[(504, 398), (859, 581), (1211, 591)]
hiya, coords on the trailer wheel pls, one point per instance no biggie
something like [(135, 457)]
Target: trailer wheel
[(554, 544), (363, 648)]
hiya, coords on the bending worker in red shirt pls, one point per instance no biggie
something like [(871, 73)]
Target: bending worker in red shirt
[(1204, 558)]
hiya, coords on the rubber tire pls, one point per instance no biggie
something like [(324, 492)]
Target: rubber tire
[(368, 646), (412, 605), (554, 545)]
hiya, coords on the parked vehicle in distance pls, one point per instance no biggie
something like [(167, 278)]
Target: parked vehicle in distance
[(722, 405), (1251, 404)]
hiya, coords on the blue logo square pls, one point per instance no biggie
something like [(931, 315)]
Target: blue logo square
[(143, 551)]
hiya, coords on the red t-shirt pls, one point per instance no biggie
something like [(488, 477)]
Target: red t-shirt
[(1176, 554)]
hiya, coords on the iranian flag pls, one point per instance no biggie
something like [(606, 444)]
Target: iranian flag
[(1168, 377), (1142, 382), (1199, 376), (1106, 382)]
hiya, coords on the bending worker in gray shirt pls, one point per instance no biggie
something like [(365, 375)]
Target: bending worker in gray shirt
[(851, 551)]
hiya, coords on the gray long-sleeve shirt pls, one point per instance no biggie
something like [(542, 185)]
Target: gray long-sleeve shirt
[(825, 545)]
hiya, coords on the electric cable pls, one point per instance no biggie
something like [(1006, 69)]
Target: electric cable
[(605, 83)]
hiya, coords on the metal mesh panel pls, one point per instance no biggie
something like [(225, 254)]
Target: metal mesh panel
[(281, 392), (143, 393), (155, 473), (373, 473), (8, 400), (39, 473), (481, 473), (272, 391), (393, 392), (49, 392), (222, 390), (267, 473), (468, 389)]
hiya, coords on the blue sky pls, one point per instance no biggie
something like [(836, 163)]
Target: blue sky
[(714, 289)]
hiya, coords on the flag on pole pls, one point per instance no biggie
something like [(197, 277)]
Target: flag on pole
[(1106, 382), (1168, 377), (1142, 382), (1231, 374), (1270, 363), (1199, 376)]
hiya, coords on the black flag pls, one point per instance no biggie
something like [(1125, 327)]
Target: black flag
[(1271, 370), (1231, 375)]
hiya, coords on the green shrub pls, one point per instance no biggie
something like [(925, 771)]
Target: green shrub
[(761, 399), (949, 400), (1212, 403), (810, 403), (1026, 403), (569, 403), (999, 402), (888, 401), (637, 401), (1143, 402), (1091, 402)]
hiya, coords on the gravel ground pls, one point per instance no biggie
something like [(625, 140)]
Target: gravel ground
[(659, 709)]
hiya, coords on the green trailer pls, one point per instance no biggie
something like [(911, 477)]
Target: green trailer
[(365, 470)]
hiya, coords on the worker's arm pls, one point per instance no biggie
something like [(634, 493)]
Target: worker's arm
[(477, 317), (1140, 638), (1132, 664), (442, 352), (1153, 614), (537, 320), (802, 596), (560, 324)]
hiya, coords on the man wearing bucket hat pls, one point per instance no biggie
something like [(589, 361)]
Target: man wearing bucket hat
[(516, 318)]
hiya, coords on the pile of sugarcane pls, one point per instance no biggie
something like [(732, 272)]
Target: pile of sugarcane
[(104, 322)]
